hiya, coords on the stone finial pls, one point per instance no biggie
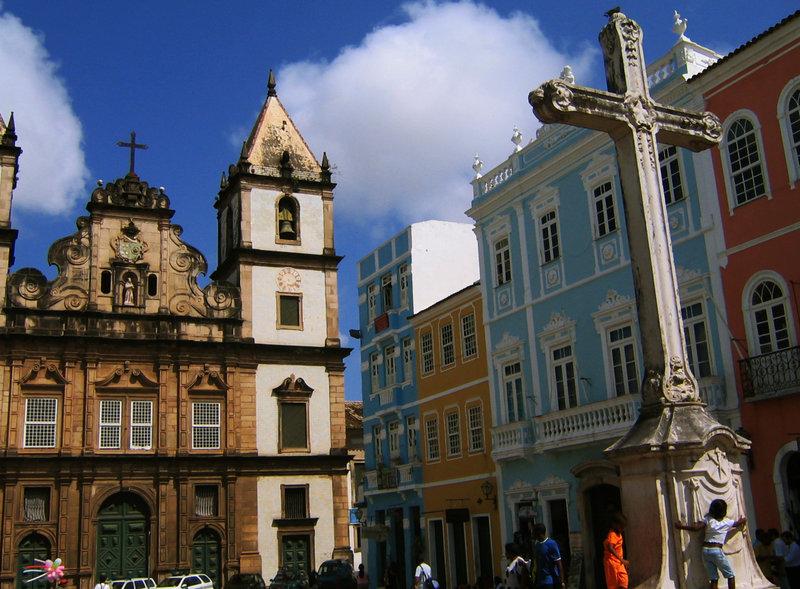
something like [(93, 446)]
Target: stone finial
[(271, 84), (243, 153), (9, 137), (477, 166), (516, 139), (223, 181), (326, 167), (99, 183), (679, 26), (567, 75)]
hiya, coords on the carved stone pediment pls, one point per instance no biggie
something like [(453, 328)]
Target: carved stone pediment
[(207, 380), (131, 192), (293, 387), (126, 377), (44, 374)]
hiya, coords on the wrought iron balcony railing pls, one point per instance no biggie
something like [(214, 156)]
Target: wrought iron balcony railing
[(770, 375)]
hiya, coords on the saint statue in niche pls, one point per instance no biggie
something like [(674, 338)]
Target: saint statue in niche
[(287, 228), (128, 294)]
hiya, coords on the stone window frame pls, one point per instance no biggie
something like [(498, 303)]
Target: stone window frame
[(56, 424), (556, 334), (622, 345), (469, 406), (126, 399), (606, 199), (452, 437), (501, 256), (278, 296), (614, 312), (220, 426), (278, 238), (748, 309), (662, 163), (549, 251), (432, 437), (293, 391), (601, 169), (792, 159), (104, 427), (306, 488), (513, 377), (751, 117), (49, 516), (217, 502), (508, 351)]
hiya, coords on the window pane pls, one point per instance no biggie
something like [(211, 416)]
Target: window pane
[(290, 310), (110, 424), (475, 416), (294, 503), (40, 422), (453, 435), (141, 425), (448, 350), (205, 425), (294, 431), (205, 500), (468, 336), (36, 504)]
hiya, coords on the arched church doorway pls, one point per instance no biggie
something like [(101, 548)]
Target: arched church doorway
[(206, 554), (122, 537), (602, 502), (31, 547), (793, 490)]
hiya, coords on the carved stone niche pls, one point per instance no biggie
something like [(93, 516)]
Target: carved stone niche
[(130, 286), (208, 381), (292, 387)]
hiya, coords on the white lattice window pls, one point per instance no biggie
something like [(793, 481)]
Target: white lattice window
[(448, 347), (769, 317), (670, 174), (432, 438), (744, 160), (565, 378), (605, 214), (386, 289), (141, 425), (377, 442), (391, 365), (475, 424), (36, 504), (40, 422), (622, 352), (205, 425), (548, 225), (372, 300), (205, 500), (403, 274), (426, 343), (375, 370), (411, 436), (502, 261), (452, 422), (394, 438), (408, 360), (110, 424), (696, 336), (515, 396), (468, 339)]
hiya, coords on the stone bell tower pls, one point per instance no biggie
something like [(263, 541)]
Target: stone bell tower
[(275, 218), (9, 166)]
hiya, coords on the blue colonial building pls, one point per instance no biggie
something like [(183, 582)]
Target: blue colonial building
[(419, 266), (561, 324)]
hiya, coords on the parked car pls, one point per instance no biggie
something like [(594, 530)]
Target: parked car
[(246, 581), (139, 583), (284, 579), (335, 574), (191, 581)]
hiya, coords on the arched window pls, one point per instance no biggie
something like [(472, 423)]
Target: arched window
[(288, 220), (744, 160), (789, 118), (793, 116), (152, 285), (769, 317)]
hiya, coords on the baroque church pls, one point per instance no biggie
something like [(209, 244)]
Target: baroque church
[(150, 424)]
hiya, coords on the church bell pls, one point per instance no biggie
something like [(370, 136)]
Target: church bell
[(287, 229)]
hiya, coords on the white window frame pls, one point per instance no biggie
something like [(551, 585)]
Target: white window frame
[(605, 210), (375, 370), (197, 428), (393, 429), (790, 150), (141, 426), (561, 363), (670, 166), (372, 300), (402, 273), (448, 345), (690, 324), (468, 334), (749, 311), (110, 427), (408, 359), (426, 353), (452, 420), (622, 346), (52, 425), (387, 296), (502, 261), (377, 438), (389, 352), (726, 163), (476, 428), (432, 450), (549, 237), (412, 432), (514, 378)]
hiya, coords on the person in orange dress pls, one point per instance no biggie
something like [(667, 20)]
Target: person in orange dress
[(614, 565)]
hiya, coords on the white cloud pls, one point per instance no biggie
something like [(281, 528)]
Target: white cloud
[(52, 167), (402, 114)]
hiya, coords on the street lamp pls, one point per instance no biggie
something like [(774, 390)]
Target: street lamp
[(488, 492)]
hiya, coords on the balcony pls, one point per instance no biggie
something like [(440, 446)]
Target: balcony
[(405, 475), (712, 392), (385, 395), (771, 375), (585, 424), (512, 440)]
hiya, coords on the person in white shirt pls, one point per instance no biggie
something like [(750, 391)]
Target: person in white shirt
[(716, 527), (101, 583), (422, 574), (518, 571)]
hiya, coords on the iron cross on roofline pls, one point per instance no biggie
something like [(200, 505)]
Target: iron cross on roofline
[(633, 120), (133, 147)]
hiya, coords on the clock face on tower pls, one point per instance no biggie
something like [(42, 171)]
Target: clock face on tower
[(288, 279)]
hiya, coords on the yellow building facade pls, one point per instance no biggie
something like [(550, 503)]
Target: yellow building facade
[(460, 519)]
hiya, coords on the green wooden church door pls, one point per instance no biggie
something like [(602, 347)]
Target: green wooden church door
[(33, 546), (295, 553), (122, 532), (205, 555)]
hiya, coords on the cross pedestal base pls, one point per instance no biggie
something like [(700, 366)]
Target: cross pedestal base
[(673, 463)]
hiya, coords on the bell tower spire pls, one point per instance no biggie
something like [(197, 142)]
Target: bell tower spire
[(9, 168)]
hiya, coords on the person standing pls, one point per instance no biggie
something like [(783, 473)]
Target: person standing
[(549, 566), (422, 575), (779, 550), (101, 583), (614, 564), (518, 571), (791, 562), (362, 579)]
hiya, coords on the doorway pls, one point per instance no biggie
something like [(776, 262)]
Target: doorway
[(399, 560), (205, 554), (295, 554), (603, 502), (123, 529), (558, 527), (437, 556), (482, 545), (32, 547)]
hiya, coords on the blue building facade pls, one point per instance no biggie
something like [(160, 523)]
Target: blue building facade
[(420, 265), (561, 320)]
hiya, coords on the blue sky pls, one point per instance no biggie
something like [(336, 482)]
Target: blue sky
[(399, 95)]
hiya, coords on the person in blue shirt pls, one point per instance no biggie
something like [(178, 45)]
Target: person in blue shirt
[(550, 567)]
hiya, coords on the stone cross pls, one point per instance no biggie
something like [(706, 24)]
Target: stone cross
[(133, 147), (637, 123)]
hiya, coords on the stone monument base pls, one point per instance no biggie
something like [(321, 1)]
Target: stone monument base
[(673, 463)]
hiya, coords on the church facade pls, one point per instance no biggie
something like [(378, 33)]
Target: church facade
[(150, 424)]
